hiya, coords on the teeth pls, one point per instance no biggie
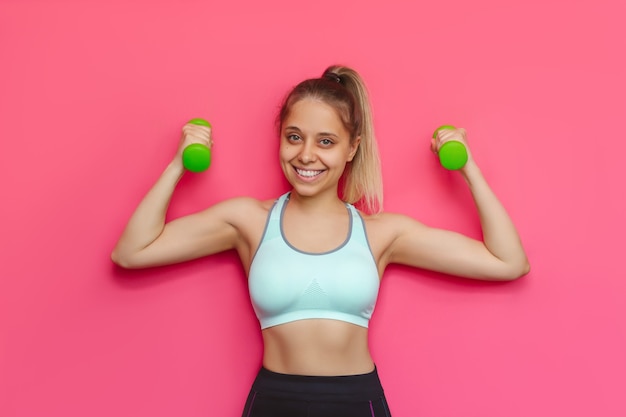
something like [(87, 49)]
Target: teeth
[(307, 173)]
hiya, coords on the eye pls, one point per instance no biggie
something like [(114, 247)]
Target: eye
[(326, 142), (293, 137)]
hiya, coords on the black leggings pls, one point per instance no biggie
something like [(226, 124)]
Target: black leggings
[(280, 395)]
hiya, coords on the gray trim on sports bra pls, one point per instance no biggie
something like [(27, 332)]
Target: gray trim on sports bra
[(282, 231)]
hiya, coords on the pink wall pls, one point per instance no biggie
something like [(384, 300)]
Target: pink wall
[(92, 97)]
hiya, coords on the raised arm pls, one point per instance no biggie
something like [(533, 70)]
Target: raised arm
[(148, 241), (499, 256)]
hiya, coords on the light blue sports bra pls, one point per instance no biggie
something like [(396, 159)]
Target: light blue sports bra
[(287, 284)]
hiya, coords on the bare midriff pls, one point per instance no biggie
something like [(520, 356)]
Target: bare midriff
[(318, 347)]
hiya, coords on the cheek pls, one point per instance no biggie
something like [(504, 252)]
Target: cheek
[(338, 162), (286, 153)]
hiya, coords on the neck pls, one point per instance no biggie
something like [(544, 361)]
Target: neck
[(317, 203)]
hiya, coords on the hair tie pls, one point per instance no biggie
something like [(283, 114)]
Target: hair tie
[(333, 77)]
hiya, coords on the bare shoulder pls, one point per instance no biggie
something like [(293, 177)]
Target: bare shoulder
[(389, 223), (248, 217), (245, 203), (384, 229), (242, 211)]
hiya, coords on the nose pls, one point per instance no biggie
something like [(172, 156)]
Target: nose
[(307, 153)]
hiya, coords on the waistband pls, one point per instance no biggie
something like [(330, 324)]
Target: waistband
[(356, 387)]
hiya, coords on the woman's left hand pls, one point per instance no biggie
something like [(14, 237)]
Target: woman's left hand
[(447, 135)]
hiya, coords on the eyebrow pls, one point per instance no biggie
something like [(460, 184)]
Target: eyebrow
[(297, 129)]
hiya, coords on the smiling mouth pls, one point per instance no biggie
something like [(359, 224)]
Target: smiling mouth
[(308, 173)]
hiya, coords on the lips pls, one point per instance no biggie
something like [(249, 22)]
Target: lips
[(308, 173)]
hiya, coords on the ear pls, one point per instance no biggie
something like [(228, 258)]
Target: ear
[(354, 146)]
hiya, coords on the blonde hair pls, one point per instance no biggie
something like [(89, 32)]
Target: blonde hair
[(343, 89)]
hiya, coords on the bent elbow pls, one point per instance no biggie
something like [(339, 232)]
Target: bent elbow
[(517, 272), (121, 260), (523, 269)]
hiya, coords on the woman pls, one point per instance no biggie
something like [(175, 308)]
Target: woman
[(314, 262)]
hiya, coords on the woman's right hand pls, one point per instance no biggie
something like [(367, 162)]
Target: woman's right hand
[(192, 133)]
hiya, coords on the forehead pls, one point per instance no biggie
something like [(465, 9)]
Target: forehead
[(314, 115)]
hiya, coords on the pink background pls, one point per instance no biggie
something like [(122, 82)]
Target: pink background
[(92, 98)]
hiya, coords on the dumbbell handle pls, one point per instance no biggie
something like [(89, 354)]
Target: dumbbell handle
[(452, 154), (197, 157)]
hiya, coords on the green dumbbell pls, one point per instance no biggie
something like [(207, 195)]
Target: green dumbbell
[(452, 154), (197, 157)]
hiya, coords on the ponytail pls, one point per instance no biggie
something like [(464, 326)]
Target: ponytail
[(362, 179)]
